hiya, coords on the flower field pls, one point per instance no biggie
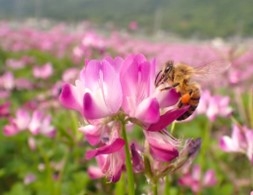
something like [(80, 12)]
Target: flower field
[(81, 114)]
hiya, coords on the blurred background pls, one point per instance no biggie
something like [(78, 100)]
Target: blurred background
[(45, 43), (186, 18)]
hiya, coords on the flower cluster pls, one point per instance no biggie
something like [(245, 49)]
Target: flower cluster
[(241, 141), (214, 105), (113, 95), (196, 180), (36, 123)]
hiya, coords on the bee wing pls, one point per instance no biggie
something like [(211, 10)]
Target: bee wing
[(210, 70)]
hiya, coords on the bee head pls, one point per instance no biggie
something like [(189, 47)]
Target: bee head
[(165, 73)]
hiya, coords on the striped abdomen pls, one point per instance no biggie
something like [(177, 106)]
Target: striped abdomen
[(193, 102)]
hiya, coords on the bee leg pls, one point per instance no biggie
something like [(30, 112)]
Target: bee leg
[(157, 79), (172, 86)]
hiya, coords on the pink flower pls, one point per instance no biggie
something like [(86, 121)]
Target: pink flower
[(70, 74), (214, 106), (162, 146), (17, 124), (95, 172), (4, 109), (142, 100), (23, 83), (137, 159), (43, 72), (167, 154), (196, 181), (38, 123), (92, 93), (41, 123), (110, 156), (29, 178), (15, 64), (240, 141), (7, 81), (111, 91)]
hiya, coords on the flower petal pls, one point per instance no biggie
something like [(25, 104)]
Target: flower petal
[(10, 130), (209, 178), (167, 119), (94, 107), (162, 147), (167, 98), (101, 76), (148, 111), (249, 137), (228, 145), (95, 172), (69, 97), (92, 134), (107, 149)]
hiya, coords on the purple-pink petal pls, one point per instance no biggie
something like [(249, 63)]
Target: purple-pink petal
[(163, 155), (92, 134), (107, 149), (69, 97), (167, 98), (209, 178), (93, 107), (95, 172), (228, 145), (148, 111), (167, 118)]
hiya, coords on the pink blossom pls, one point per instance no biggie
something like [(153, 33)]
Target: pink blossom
[(110, 156), (41, 123), (95, 172), (137, 159), (15, 64), (43, 72), (214, 106), (29, 178), (92, 93), (141, 99), (240, 141), (196, 181), (162, 146), (38, 123), (166, 154), (70, 74), (23, 83), (7, 81), (4, 109), (32, 143), (111, 90)]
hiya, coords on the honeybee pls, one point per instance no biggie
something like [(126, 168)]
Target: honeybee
[(184, 78)]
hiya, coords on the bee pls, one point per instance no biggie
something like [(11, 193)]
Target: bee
[(184, 78)]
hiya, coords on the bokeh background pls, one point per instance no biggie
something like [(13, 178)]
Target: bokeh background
[(44, 43)]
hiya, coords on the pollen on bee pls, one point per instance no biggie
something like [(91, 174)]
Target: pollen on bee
[(185, 98)]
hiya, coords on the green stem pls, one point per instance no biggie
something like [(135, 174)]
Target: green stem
[(251, 175), (250, 112), (167, 185), (154, 188), (205, 143), (129, 168)]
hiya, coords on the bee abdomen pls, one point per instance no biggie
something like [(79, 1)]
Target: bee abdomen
[(194, 101)]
